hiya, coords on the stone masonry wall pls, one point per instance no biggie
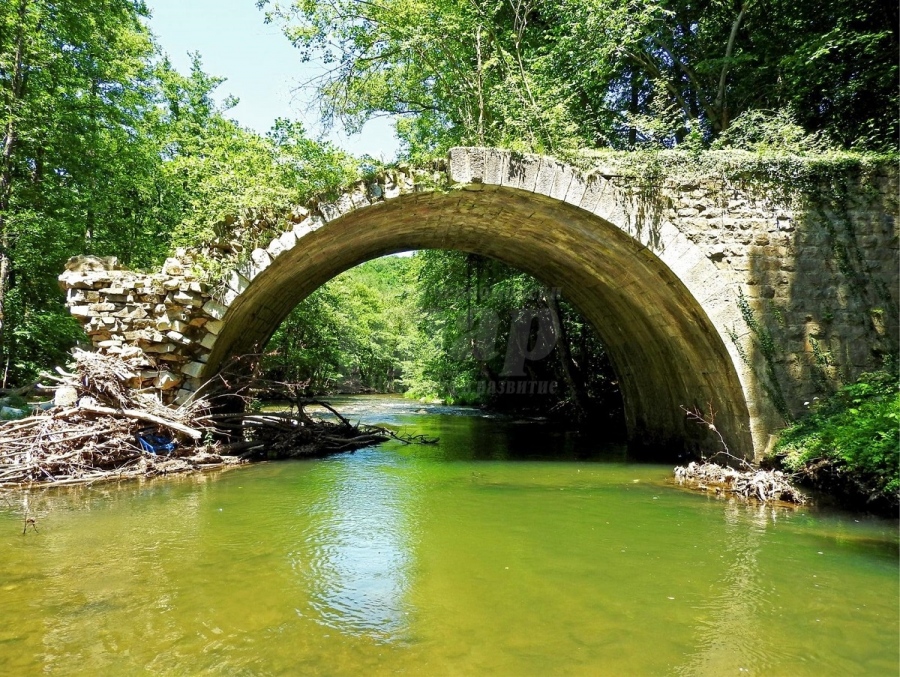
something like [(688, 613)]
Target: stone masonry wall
[(169, 316), (818, 277)]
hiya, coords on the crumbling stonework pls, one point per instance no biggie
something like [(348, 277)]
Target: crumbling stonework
[(169, 316), (704, 293), (173, 317)]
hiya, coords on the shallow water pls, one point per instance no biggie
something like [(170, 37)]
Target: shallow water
[(507, 549)]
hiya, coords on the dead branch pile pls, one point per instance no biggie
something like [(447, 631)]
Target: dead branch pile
[(761, 485), (101, 429)]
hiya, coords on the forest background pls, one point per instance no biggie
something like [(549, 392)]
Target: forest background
[(107, 149)]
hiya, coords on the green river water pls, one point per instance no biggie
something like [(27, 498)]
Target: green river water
[(507, 549)]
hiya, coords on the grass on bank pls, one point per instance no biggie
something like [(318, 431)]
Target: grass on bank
[(849, 445)]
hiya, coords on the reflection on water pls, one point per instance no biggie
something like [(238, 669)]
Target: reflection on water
[(511, 548), (729, 639), (356, 552)]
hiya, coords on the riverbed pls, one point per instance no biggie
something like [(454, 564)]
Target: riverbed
[(509, 548)]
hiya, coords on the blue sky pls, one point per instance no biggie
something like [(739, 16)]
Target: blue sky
[(262, 68)]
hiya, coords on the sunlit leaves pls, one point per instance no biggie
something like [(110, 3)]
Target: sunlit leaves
[(550, 75), (856, 433)]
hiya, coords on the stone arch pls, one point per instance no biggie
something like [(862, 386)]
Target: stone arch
[(660, 305)]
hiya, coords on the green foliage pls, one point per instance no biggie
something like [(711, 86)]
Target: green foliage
[(856, 434), (79, 172), (214, 168), (765, 344), (351, 334), (770, 132), (41, 337), (108, 150), (465, 307), (552, 75)]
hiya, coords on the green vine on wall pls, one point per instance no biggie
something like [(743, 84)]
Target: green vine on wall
[(835, 196), (765, 344), (822, 360)]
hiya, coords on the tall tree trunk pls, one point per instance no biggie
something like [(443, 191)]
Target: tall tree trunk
[(720, 103), (91, 215), (479, 74), (17, 89), (633, 105), (575, 384)]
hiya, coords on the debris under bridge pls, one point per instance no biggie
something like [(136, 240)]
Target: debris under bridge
[(100, 429)]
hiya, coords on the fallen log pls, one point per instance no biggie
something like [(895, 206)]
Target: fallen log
[(146, 417), (19, 392)]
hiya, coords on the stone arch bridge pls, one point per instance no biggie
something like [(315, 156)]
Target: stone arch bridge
[(703, 292)]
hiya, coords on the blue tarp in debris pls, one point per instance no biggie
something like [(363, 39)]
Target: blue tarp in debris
[(156, 444)]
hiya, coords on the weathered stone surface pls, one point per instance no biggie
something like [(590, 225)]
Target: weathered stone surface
[(214, 310), (275, 248), (160, 348), (192, 369), (236, 281), (166, 380), (288, 240), (87, 263), (260, 258), (173, 266), (177, 337)]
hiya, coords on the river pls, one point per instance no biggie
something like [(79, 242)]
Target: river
[(510, 548)]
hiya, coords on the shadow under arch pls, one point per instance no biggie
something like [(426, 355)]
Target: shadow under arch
[(663, 346)]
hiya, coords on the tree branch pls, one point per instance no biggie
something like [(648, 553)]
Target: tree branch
[(729, 50)]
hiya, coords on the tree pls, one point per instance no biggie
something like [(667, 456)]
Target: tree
[(355, 332), (456, 71), (73, 94), (213, 168), (551, 75), (108, 150), (467, 307)]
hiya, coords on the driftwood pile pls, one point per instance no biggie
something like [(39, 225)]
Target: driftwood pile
[(762, 485), (292, 434), (102, 429)]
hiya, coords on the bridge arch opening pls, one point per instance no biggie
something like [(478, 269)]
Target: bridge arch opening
[(665, 350), (456, 327)]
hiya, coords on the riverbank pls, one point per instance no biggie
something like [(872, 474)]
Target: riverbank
[(848, 447)]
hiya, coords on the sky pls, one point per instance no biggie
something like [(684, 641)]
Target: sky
[(262, 68)]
